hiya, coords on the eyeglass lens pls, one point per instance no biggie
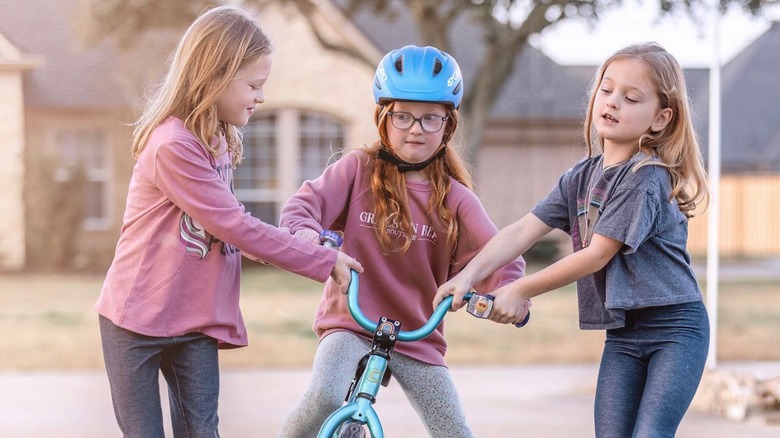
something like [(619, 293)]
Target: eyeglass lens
[(429, 122)]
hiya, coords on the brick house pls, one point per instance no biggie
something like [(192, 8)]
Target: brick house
[(65, 110)]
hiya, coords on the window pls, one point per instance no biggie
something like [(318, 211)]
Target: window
[(282, 149), (87, 151), (321, 138), (255, 180), (258, 167)]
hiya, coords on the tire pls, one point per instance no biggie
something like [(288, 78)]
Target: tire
[(352, 429)]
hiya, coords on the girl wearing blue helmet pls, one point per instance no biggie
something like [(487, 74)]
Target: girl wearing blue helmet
[(407, 210)]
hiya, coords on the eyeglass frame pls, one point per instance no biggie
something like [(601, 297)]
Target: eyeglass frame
[(417, 119)]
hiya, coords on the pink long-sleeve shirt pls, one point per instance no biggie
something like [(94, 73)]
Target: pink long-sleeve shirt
[(177, 264), (398, 286)]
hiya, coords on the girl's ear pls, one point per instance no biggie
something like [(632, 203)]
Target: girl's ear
[(661, 120)]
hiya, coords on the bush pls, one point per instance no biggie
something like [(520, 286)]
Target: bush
[(55, 212)]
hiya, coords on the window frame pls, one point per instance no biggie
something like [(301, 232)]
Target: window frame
[(290, 131), (85, 147)]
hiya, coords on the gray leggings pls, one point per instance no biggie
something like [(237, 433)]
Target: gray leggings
[(429, 388)]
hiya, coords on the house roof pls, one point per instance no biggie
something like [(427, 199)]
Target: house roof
[(60, 73), (540, 88), (74, 76), (750, 113), (71, 75), (12, 59)]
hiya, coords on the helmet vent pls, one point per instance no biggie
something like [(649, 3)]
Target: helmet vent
[(437, 66), (399, 64)]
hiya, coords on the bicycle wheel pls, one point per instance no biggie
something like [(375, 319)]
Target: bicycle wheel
[(352, 429)]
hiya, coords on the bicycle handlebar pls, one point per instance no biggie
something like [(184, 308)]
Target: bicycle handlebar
[(406, 336), (333, 239)]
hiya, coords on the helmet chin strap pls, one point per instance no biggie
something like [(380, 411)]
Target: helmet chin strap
[(403, 166)]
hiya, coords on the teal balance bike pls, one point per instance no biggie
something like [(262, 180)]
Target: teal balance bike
[(353, 418)]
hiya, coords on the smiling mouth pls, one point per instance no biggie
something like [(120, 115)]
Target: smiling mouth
[(609, 118)]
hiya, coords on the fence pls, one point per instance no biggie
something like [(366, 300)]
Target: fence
[(749, 218)]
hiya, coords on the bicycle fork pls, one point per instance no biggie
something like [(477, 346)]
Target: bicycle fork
[(362, 393)]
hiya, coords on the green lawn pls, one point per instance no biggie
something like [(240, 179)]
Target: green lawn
[(49, 323)]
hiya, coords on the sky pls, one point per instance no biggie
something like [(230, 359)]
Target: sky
[(575, 42)]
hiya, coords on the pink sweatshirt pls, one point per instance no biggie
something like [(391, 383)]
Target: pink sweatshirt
[(399, 287), (177, 265)]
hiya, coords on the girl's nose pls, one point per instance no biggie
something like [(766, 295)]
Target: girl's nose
[(416, 126)]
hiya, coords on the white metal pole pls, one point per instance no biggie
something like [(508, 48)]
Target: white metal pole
[(713, 247)]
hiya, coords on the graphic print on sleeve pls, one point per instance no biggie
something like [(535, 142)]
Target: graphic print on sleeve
[(193, 236)]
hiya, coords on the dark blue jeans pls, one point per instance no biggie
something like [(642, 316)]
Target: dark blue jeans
[(650, 370), (190, 366)]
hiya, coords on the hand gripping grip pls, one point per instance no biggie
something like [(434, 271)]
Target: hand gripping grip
[(481, 306)]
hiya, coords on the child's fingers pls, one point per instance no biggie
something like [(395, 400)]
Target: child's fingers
[(440, 296)]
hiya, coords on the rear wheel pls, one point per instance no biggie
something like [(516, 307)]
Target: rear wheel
[(352, 429)]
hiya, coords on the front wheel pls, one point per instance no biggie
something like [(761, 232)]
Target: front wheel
[(352, 429)]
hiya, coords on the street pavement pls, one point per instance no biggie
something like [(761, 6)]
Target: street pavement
[(519, 401), (760, 269)]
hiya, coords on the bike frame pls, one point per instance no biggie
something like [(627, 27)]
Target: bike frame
[(359, 407)]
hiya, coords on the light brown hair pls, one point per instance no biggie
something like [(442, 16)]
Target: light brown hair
[(220, 42), (676, 144)]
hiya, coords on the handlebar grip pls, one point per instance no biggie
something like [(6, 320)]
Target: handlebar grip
[(482, 305), (331, 239), (525, 321), (521, 323)]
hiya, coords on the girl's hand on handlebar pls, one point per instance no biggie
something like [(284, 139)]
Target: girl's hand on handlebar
[(310, 235), (341, 271), (508, 306), (458, 287)]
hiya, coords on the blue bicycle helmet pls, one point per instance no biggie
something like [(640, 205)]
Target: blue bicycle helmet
[(422, 74)]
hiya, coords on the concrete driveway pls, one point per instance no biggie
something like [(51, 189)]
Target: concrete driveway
[(534, 401)]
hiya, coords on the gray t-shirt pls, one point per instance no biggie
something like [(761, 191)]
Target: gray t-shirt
[(653, 267)]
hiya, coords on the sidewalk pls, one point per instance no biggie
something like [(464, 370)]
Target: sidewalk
[(762, 269), (535, 401)]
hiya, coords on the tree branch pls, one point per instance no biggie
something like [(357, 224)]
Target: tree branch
[(309, 11)]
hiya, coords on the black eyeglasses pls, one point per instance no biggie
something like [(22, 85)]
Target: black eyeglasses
[(428, 122)]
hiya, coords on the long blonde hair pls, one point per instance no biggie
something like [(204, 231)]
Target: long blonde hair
[(388, 184), (220, 42), (676, 144)]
